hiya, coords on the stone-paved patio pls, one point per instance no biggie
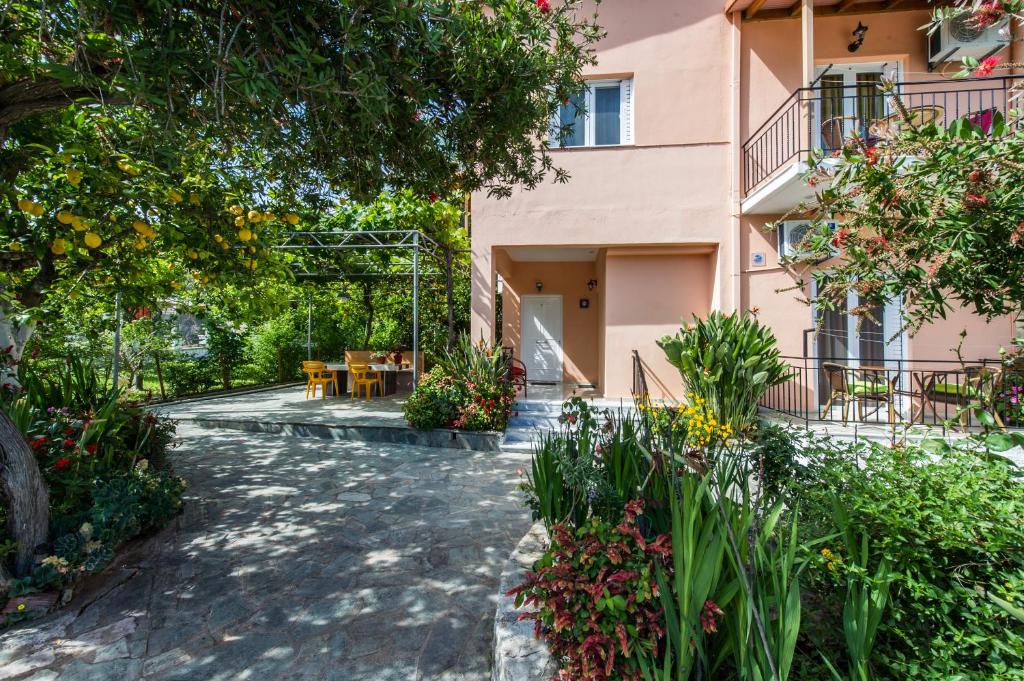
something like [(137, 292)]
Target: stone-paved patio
[(298, 558)]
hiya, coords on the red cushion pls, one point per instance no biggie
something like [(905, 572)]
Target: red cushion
[(518, 371)]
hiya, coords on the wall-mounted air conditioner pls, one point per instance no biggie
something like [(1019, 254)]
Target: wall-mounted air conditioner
[(961, 37), (791, 233)]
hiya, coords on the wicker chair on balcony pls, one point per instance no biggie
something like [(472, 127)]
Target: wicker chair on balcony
[(855, 386), (835, 129)]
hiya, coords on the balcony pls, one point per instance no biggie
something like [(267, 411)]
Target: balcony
[(775, 157)]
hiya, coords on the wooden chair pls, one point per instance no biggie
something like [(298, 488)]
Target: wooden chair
[(317, 374), (971, 386), (363, 378), (855, 386)]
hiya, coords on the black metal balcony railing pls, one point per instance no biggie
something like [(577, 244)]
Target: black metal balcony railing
[(821, 117), (917, 392)]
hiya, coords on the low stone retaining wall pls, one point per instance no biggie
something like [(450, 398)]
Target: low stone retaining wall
[(518, 655), (452, 439)]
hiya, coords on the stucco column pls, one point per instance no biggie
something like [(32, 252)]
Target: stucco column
[(481, 322)]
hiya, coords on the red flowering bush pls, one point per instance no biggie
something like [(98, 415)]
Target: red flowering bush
[(597, 598)]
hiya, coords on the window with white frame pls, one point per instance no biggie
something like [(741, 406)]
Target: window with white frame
[(791, 234), (601, 115)]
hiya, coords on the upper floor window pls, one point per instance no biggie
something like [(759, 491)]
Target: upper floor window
[(601, 115)]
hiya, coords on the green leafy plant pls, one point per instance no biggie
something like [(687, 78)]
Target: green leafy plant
[(730, 361), (436, 402)]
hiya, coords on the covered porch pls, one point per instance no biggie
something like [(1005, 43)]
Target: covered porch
[(574, 315)]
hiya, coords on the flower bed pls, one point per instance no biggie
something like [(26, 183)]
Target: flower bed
[(104, 463), (697, 542), (468, 390)]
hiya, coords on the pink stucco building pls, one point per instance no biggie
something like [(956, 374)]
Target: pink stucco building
[(700, 116)]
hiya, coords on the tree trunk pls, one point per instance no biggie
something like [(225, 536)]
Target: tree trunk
[(24, 493), (159, 375), (368, 304)]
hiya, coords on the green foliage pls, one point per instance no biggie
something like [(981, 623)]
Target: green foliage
[(190, 376), (728, 360), (469, 390), (947, 525), (436, 402)]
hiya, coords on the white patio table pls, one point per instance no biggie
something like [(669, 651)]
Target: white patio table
[(390, 372)]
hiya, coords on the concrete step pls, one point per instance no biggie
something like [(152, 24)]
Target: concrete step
[(539, 406)]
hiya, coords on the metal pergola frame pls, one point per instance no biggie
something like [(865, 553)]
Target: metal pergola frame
[(410, 242)]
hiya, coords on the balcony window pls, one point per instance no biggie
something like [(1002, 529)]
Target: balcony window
[(601, 115)]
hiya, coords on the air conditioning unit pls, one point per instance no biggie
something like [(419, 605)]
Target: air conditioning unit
[(961, 36), (791, 233)]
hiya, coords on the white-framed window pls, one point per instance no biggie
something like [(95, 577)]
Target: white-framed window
[(601, 115), (792, 232)]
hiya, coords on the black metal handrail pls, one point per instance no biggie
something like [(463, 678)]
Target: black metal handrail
[(821, 117), (898, 391)]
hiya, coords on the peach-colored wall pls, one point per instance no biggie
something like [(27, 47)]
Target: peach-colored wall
[(647, 297), (580, 328), (671, 187)]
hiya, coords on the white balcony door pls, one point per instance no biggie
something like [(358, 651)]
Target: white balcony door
[(541, 329), (848, 99)]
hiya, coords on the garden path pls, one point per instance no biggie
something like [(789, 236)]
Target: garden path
[(298, 558)]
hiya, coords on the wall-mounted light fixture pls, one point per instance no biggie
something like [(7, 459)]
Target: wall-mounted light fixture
[(858, 35), (592, 284), (540, 286)]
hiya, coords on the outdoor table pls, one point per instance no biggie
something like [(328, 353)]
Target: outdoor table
[(390, 372)]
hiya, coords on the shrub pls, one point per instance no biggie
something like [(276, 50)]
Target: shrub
[(948, 527), (436, 402), (191, 376), (729, 361), (597, 597)]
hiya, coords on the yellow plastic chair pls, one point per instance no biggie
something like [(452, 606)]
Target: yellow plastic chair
[(318, 375), (364, 378)]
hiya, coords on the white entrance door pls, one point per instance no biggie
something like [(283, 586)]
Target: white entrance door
[(541, 334)]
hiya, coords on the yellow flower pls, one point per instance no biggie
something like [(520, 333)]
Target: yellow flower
[(21, 607), (826, 553)]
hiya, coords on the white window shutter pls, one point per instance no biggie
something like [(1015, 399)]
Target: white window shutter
[(626, 111)]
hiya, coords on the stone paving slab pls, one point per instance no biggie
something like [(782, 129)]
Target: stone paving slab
[(295, 559)]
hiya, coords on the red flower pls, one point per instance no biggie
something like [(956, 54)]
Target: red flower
[(988, 13), (433, 196), (38, 442), (975, 200), (61, 463), (985, 68), (92, 447), (69, 442), (544, 6), (840, 238), (871, 155), (709, 617)]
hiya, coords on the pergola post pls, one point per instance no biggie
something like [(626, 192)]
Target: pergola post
[(415, 308), (450, 294), (309, 328)]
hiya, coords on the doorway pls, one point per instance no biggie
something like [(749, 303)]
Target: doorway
[(541, 337), (849, 100)]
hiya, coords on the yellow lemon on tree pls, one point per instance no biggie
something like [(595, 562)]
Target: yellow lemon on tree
[(252, 249), (139, 244), (93, 240), (244, 234), (36, 209), (253, 215), (78, 224), (25, 205), (58, 247), (271, 217), (193, 198), (74, 176), (174, 196), (73, 295), (239, 221), (235, 210), (206, 279), (251, 264), (140, 226), (14, 246), (218, 238), (65, 217), (192, 254), (291, 218)]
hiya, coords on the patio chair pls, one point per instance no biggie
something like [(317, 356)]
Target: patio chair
[(835, 130), (962, 388), (317, 374), (517, 375), (855, 386), (364, 378), (894, 123)]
